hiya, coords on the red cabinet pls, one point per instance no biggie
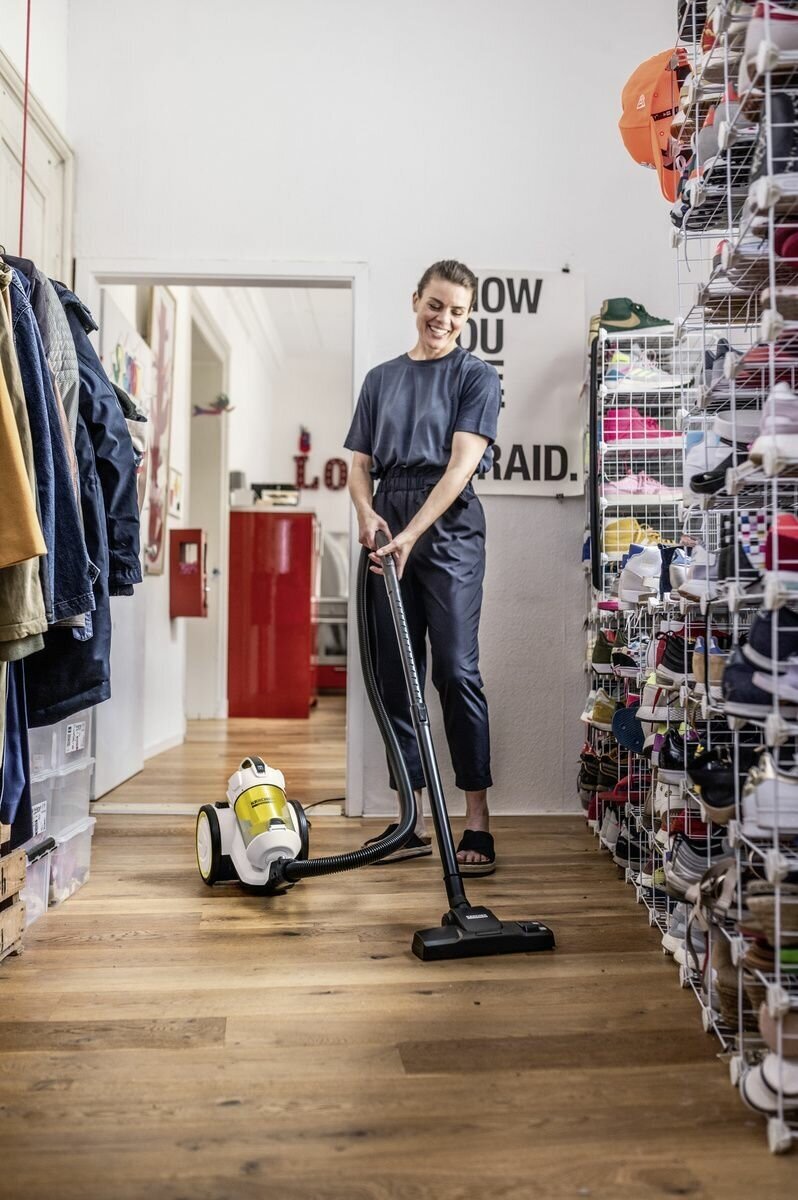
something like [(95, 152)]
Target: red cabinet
[(273, 569)]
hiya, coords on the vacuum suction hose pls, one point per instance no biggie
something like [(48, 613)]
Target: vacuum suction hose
[(296, 870)]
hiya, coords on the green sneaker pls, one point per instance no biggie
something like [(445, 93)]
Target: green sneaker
[(622, 313), (601, 658)]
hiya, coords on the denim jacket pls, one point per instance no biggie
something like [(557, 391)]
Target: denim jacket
[(66, 580), (113, 450)]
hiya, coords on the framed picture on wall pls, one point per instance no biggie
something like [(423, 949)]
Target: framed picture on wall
[(163, 314), (175, 493)]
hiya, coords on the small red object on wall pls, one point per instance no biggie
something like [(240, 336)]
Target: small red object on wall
[(188, 584)]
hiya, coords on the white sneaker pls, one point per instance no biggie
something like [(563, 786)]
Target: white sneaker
[(769, 799)]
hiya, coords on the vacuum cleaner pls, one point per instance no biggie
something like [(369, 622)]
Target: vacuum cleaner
[(261, 838)]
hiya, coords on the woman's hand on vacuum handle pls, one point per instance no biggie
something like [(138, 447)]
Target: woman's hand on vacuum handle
[(368, 524), (400, 548)]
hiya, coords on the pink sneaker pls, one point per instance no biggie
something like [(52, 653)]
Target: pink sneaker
[(628, 486), (648, 486), (629, 424), (655, 431), (623, 424)]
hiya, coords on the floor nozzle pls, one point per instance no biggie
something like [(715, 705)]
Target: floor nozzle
[(474, 931)]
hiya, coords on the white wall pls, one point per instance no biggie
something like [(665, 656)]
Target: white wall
[(49, 57), (316, 393), (395, 134)]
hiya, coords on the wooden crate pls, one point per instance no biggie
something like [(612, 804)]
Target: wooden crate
[(12, 874), (12, 910), (12, 924)]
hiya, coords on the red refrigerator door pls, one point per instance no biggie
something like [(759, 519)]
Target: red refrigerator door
[(270, 633)]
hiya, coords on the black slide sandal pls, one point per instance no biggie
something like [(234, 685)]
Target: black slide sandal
[(479, 843)]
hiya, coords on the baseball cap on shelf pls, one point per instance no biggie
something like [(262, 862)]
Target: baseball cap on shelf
[(650, 100)]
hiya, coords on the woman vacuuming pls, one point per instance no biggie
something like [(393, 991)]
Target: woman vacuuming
[(423, 426)]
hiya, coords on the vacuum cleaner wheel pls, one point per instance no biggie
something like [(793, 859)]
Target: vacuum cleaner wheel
[(214, 867)]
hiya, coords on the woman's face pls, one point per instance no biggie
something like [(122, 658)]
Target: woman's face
[(441, 312)]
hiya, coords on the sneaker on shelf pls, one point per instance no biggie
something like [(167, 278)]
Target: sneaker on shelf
[(742, 697), (620, 313), (626, 661), (715, 657), (686, 862), (678, 567), (734, 563), (709, 483), (775, 22), (601, 658), (676, 754), (641, 576), (781, 544), (676, 932), (627, 851), (772, 1085), (737, 427), (649, 486), (620, 534), (701, 458), (640, 374), (628, 424), (680, 822), (772, 633), (675, 666), (659, 702), (600, 712), (702, 576), (778, 428), (668, 798), (610, 828), (617, 367), (783, 686), (770, 799)]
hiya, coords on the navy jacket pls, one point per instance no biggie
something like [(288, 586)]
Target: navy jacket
[(70, 674)]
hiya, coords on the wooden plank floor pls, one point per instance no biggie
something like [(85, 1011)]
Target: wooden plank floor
[(160, 1041)]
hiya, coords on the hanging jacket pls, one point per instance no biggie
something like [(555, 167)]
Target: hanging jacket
[(71, 674), (22, 615), (56, 336), (113, 450), (66, 581)]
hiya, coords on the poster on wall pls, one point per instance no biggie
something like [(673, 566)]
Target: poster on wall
[(127, 360), (163, 312), (531, 326)]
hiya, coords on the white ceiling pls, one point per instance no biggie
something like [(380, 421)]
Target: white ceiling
[(306, 322)]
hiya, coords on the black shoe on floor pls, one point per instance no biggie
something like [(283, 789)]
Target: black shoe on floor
[(416, 847)]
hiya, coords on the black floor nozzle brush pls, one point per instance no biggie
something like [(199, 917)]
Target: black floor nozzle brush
[(466, 931)]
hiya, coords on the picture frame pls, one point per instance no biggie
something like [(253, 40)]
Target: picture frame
[(162, 330), (175, 503)]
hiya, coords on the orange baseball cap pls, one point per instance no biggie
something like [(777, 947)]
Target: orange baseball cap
[(650, 101)]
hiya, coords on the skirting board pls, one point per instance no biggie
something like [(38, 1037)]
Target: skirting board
[(169, 743)]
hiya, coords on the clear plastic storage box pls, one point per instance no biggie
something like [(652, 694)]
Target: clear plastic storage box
[(41, 747), (61, 800), (73, 739), (61, 745), (71, 860), (36, 892)]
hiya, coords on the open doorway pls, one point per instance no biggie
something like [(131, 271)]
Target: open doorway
[(292, 316)]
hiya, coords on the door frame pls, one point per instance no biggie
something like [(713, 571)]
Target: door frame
[(92, 274), (205, 322)]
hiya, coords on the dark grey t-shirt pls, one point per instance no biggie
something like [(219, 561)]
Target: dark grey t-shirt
[(409, 411)]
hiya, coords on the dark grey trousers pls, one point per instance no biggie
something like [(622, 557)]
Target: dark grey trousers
[(442, 594)]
